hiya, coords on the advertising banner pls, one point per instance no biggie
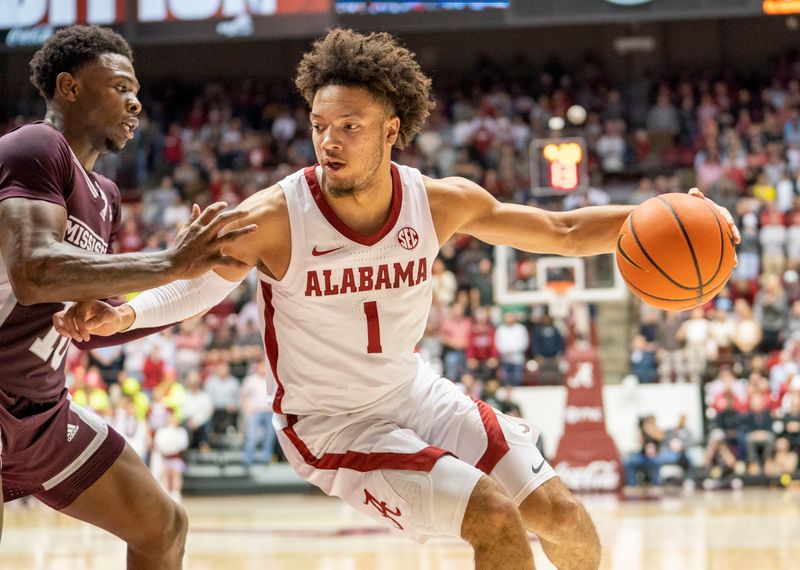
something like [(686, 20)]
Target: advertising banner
[(587, 458), (547, 12)]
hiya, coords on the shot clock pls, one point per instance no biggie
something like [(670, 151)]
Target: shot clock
[(558, 165)]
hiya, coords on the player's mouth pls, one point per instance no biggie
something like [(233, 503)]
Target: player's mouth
[(332, 165), (129, 125)]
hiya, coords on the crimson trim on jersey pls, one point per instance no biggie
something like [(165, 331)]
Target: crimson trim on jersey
[(341, 227), (423, 460), (496, 444), (271, 343)]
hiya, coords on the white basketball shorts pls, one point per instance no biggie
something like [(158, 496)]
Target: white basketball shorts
[(413, 463)]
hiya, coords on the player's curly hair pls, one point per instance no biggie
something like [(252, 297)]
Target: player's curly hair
[(375, 62), (69, 49)]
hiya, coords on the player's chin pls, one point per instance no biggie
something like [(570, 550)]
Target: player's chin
[(115, 145)]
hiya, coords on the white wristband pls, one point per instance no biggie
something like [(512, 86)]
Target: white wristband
[(179, 300)]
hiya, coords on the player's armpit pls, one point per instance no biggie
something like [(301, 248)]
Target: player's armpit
[(461, 206)]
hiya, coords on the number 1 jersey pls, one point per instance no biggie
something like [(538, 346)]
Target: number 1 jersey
[(341, 327)]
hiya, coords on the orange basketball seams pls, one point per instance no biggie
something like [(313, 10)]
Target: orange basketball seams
[(675, 251)]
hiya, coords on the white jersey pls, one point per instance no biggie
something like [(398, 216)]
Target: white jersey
[(340, 328)]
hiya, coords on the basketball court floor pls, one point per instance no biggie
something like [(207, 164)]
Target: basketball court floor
[(751, 529)]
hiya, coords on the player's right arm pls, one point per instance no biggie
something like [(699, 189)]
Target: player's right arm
[(43, 269), (268, 248), (37, 171)]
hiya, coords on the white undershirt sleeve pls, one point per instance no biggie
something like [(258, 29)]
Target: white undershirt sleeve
[(179, 300)]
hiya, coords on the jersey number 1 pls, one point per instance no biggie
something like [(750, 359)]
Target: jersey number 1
[(373, 328)]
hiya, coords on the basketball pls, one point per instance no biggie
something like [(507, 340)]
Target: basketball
[(675, 251)]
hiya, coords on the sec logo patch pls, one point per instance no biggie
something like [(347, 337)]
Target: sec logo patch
[(408, 238)]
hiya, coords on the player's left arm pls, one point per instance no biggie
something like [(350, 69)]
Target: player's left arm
[(461, 206)]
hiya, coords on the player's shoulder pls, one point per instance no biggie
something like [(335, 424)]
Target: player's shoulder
[(267, 206), (452, 190), (33, 139)]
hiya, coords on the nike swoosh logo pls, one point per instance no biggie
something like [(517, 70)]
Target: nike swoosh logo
[(539, 468), (317, 252)]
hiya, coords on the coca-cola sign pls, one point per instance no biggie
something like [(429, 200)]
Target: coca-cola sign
[(594, 476), (586, 459)]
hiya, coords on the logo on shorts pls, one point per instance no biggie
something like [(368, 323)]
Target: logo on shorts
[(408, 238), (72, 429), (538, 468), (385, 511)]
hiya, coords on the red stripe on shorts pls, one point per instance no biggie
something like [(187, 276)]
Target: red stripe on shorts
[(423, 460), (496, 445)]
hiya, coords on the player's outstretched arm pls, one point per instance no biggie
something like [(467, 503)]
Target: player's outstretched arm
[(42, 268), (269, 248), (461, 206)]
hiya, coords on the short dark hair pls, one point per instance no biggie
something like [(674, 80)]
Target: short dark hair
[(376, 62), (71, 48)]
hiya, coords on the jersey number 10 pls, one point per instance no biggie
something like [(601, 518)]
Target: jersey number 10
[(51, 348)]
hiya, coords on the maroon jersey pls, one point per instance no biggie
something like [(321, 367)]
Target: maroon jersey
[(37, 163)]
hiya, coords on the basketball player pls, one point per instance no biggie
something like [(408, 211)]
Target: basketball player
[(344, 251), (57, 222)]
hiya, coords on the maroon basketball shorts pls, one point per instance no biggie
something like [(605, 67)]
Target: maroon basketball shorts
[(53, 451)]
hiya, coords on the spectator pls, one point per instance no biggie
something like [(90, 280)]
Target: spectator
[(455, 334), (695, 333), (512, 341), (783, 464), (643, 360), (223, 388), (671, 358), (132, 427), (197, 411), (482, 356), (791, 421), (771, 311), (725, 439), (256, 407), (169, 443), (646, 459), (758, 435)]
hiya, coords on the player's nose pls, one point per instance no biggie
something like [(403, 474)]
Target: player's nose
[(134, 106)]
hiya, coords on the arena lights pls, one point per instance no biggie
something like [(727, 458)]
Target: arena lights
[(778, 7)]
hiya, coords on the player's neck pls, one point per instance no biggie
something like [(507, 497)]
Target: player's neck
[(76, 137), (368, 208)]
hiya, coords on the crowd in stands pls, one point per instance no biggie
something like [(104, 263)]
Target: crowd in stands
[(737, 138)]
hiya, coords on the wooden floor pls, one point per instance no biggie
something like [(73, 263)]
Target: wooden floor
[(723, 530)]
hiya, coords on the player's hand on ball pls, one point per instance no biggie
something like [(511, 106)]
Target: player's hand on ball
[(84, 319), (737, 237)]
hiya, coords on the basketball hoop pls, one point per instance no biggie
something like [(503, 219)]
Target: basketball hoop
[(559, 301)]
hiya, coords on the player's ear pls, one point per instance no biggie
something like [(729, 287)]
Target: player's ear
[(392, 130), (66, 86)]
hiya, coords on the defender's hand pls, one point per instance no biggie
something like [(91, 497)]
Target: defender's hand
[(88, 318), (198, 245)]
